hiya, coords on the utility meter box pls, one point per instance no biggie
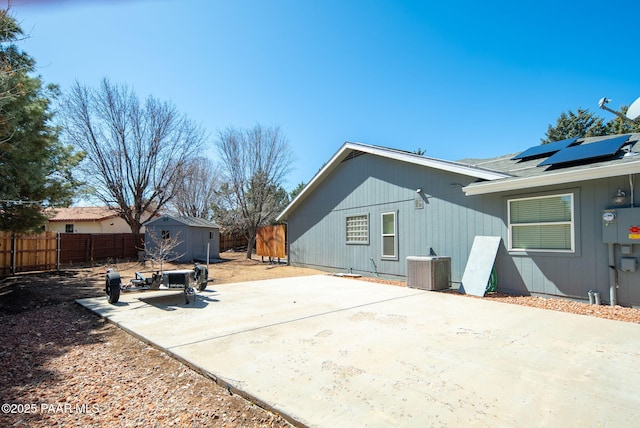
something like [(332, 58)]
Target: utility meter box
[(628, 264), (621, 226)]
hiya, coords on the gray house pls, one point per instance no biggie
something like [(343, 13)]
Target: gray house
[(195, 237), (565, 213)]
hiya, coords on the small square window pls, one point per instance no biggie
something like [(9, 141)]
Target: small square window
[(357, 229), (165, 234), (68, 228)]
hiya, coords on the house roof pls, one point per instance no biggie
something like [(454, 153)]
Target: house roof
[(497, 174), (524, 174), (188, 221), (81, 214), (349, 149)]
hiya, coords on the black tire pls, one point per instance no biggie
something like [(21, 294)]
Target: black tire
[(201, 274), (112, 287)]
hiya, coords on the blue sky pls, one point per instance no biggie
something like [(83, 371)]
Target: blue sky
[(457, 79)]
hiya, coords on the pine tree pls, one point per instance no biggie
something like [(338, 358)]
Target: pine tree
[(35, 167), (580, 124)]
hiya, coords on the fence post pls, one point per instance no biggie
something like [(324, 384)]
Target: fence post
[(91, 249), (58, 249), (13, 253)]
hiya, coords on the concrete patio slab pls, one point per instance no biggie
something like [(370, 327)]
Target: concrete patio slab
[(333, 352)]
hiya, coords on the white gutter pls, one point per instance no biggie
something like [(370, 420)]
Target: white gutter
[(549, 179)]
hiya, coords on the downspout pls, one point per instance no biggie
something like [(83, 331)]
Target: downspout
[(613, 275)]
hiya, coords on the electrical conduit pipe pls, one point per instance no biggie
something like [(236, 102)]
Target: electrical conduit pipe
[(612, 275)]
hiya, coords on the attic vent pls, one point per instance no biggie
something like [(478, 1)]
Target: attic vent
[(353, 154)]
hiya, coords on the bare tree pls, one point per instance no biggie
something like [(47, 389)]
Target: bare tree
[(134, 152), (195, 194), (162, 247), (255, 163)]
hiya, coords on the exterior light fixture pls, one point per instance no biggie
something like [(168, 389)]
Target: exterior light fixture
[(620, 198)]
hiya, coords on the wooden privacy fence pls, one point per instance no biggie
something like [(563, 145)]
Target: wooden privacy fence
[(88, 247), (271, 241), (27, 252), (48, 250), (232, 242)]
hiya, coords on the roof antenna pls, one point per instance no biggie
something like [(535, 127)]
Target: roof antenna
[(633, 113)]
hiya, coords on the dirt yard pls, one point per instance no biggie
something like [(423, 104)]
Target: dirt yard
[(62, 366)]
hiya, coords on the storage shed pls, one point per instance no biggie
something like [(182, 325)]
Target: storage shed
[(195, 237)]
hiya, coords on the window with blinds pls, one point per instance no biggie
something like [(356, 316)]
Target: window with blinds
[(357, 229), (544, 223)]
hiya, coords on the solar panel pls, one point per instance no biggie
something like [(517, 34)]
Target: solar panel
[(546, 149), (603, 148)]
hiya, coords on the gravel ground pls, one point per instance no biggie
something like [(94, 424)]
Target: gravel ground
[(618, 313), (61, 366)]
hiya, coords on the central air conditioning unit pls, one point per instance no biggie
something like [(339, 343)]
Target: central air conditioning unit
[(429, 272)]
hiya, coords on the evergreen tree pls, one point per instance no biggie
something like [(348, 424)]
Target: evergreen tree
[(297, 190), (34, 166), (580, 124)]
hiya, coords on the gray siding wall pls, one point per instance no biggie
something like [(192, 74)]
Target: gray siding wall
[(446, 226), (199, 238), (573, 275), (175, 229), (194, 240), (373, 185)]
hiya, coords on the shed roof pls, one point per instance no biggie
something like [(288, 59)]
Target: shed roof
[(187, 221)]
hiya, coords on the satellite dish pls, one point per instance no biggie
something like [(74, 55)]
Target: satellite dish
[(634, 110), (603, 101)]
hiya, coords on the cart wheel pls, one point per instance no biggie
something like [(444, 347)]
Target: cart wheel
[(112, 287), (201, 275), (189, 291)]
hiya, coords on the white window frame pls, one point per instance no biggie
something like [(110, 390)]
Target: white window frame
[(394, 234), (571, 223), (354, 218)]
